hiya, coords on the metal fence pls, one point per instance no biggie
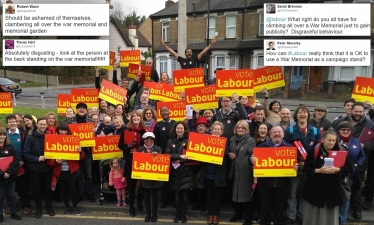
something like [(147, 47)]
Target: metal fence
[(52, 80)]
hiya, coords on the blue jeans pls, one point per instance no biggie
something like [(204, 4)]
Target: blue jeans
[(293, 201), (343, 208), (85, 166), (8, 191)]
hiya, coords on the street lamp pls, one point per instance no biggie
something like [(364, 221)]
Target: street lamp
[(207, 42)]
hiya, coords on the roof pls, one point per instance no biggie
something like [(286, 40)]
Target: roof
[(260, 3), (199, 46), (215, 5), (124, 32)]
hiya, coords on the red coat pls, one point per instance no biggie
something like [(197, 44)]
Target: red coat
[(73, 165)]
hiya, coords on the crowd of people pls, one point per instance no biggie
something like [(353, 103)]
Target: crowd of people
[(317, 195)]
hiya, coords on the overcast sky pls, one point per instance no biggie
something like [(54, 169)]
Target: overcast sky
[(142, 7)]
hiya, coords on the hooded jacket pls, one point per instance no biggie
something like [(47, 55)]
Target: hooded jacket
[(7, 151)]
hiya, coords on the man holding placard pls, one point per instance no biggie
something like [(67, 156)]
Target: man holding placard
[(273, 189), (41, 172)]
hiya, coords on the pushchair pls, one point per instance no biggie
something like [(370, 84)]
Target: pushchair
[(105, 189)]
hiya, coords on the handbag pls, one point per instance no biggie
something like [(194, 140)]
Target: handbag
[(346, 189)]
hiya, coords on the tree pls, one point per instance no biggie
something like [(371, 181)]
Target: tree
[(146, 55), (118, 12), (133, 17)]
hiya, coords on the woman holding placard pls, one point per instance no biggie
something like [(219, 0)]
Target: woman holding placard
[(150, 187), (8, 175), (323, 190), (136, 125), (181, 176), (213, 179), (241, 172), (65, 172)]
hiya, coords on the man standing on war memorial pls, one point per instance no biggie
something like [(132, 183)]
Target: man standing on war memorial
[(188, 62)]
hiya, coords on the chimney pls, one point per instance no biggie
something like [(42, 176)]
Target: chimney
[(169, 3), (132, 35), (9, 2), (110, 7)]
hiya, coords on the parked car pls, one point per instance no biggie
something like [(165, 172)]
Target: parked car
[(7, 85)]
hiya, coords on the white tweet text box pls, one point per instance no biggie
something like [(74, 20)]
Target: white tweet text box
[(57, 53), (294, 52), (317, 20), (57, 20)]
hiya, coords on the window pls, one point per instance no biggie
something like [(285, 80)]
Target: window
[(231, 26), (260, 61), (232, 63), (212, 27), (347, 73), (165, 31), (173, 63), (261, 24), (220, 62), (163, 64), (364, 71)]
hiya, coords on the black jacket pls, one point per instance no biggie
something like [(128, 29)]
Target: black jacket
[(151, 183), (273, 181), (7, 151), (162, 133), (34, 147), (321, 189), (220, 175), (230, 119), (182, 178), (324, 124)]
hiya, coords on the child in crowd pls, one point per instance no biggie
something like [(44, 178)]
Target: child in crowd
[(106, 127), (116, 178)]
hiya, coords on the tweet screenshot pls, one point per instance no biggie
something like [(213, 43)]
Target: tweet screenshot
[(42, 25), (317, 20), (301, 52)]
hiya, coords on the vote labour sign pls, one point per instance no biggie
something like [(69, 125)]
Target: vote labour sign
[(85, 133), (145, 71), (112, 93), (234, 81), (269, 77), (275, 162), (111, 62), (188, 78), (58, 146), (146, 166), (85, 95), (202, 97), (363, 89), (106, 148), (162, 92), (6, 104), (63, 102), (177, 110), (129, 56), (206, 148)]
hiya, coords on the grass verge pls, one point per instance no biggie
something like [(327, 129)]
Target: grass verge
[(24, 110)]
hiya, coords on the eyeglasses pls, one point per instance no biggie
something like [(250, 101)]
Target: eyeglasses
[(241, 128), (345, 129), (148, 139), (148, 113)]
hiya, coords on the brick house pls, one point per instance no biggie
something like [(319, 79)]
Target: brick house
[(240, 38)]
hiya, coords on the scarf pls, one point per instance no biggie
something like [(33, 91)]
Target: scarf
[(345, 139), (239, 139), (149, 123), (51, 129), (138, 138), (81, 119), (148, 149)]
